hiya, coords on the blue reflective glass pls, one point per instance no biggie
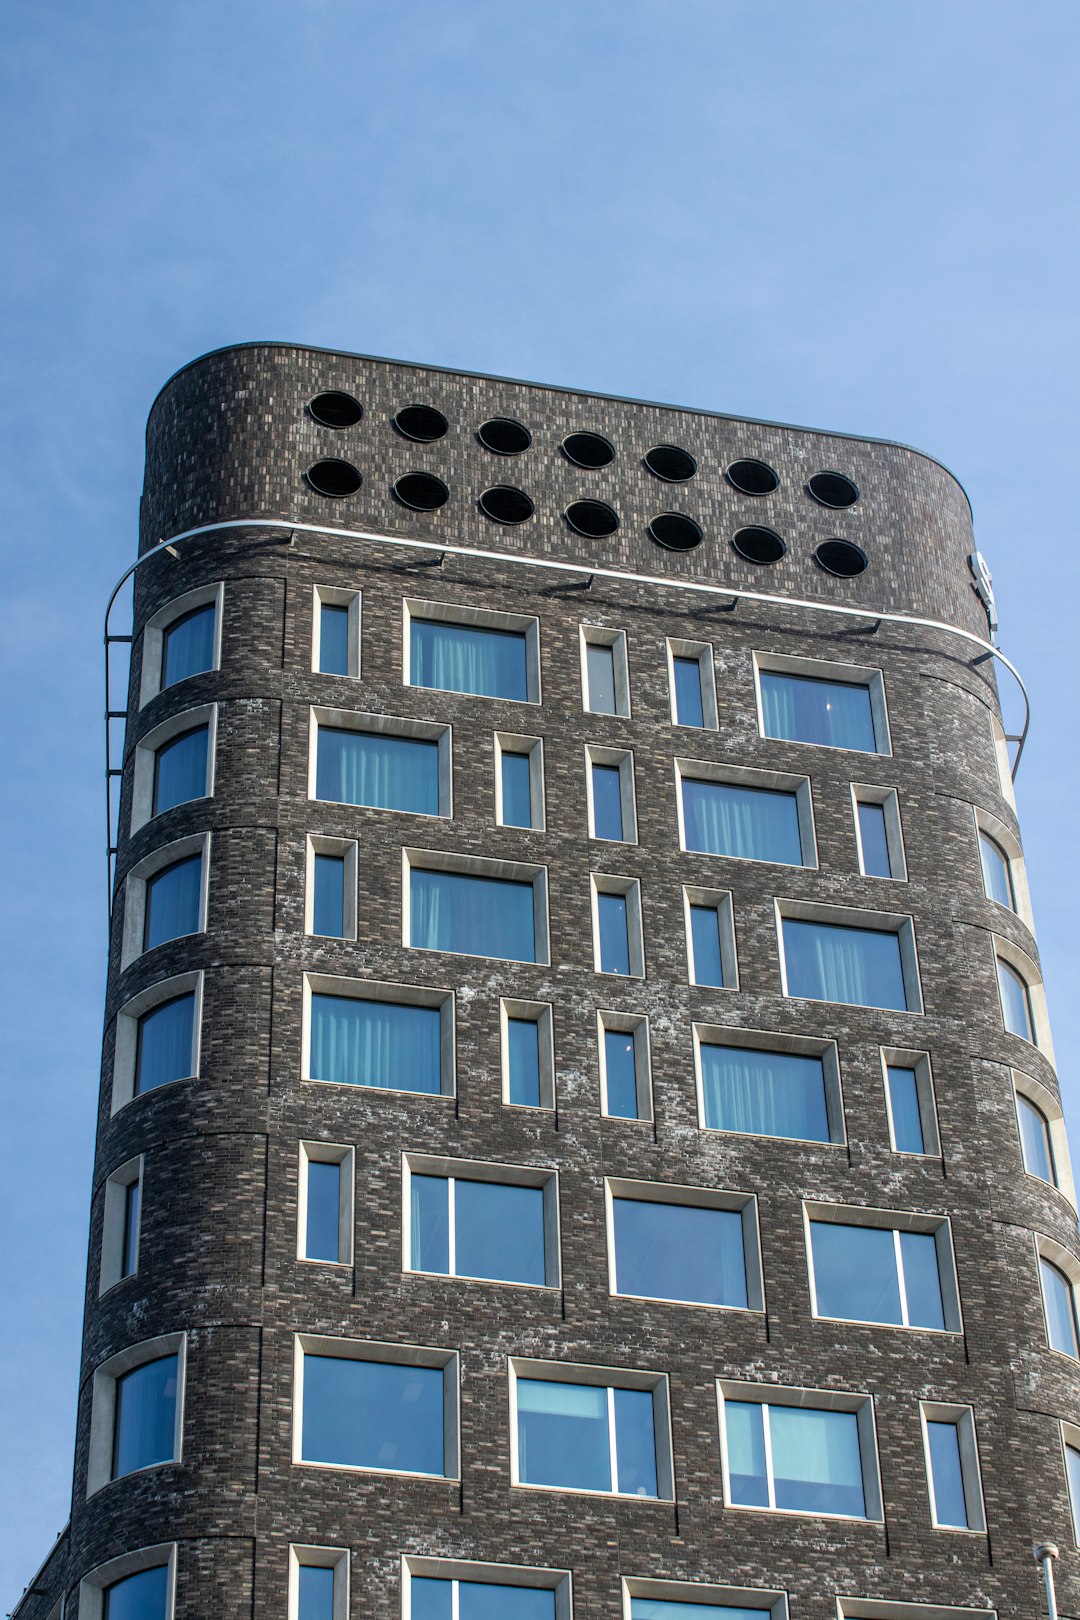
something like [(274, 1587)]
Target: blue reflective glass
[(656, 1609), (322, 1239), (620, 1074), (144, 1430), (563, 1435), (180, 769), (855, 1272), (516, 790), (468, 658), (764, 1093), (1035, 1141), (747, 1471), (904, 1107), (315, 1589), (376, 1043), (476, 916), (163, 1046), (1015, 1002), (950, 1505), (678, 1252), (1072, 1470), (635, 1442), (328, 899), (430, 1599), (614, 939), (187, 646), (1060, 1309), (817, 1465), (173, 900), (137, 1597), (860, 966), (802, 708), (380, 771), (129, 1253), (754, 824), (705, 946), (499, 1231), (874, 840), (689, 710), (333, 639), (479, 1600), (429, 1224), (373, 1414), (600, 672), (523, 1061), (607, 802), (997, 879), (922, 1279)]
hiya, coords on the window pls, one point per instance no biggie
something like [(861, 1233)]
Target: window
[(324, 1227), (335, 636), (528, 1064), (1002, 761), (519, 781), (1059, 1302), (802, 1451), (1070, 1440), (610, 777), (678, 1600), (617, 941), (605, 681), (183, 638), (380, 763), (157, 1037), (878, 837), (136, 1586), (391, 1408), (318, 1583), (997, 877), (683, 1244), (581, 1433), (1015, 1001), (165, 896), (444, 1589), (488, 1222), (909, 1100), (180, 770), (136, 1416), (692, 685), (174, 764), (625, 1080), (710, 938), (470, 650), (475, 908), (871, 966), (788, 1089), (848, 1608), (330, 907), (121, 1224), (832, 705), (748, 815), (952, 1467), (864, 1270), (391, 1037), (1036, 1144)]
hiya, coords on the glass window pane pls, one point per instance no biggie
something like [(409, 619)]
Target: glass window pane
[(859, 966), (949, 1503), (376, 1043), (1035, 1140), (130, 1249), (746, 1454), (373, 1414), (563, 1435), (620, 1074), (469, 658), (523, 1061), (476, 916), (173, 898), (187, 645), (874, 839), (145, 1423), (430, 1224), (430, 1599), (180, 769), (1060, 1309), (137, 1597), (1072, 1469), (689, 710), (328, 899), (904, 1106), (635, 1442), (607, 802), (499, 1231), (801, 708), (855, 1272), (377, 770), (481, 1600), (817, 1466), (1015, 1002), (333, 642), (764, 1093), (315, 1586), (708, 960), (164, 1042), (600, 667), (997, 879), (614, 939), (516, 790), (322, 1240), (922, 1279), (678, 1252), (755, 824)]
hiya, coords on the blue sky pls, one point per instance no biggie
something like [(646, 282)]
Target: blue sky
[(848, 214)]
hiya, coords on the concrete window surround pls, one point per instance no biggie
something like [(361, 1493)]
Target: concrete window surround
[(435, 860), (705, 770), (113, 1222), (544, 1177), (93, 1586), (772, 1603), (568, 1372), (905, 1058), (850, 1608), (702, 651), (481, 619), (1047, 1104), (964, 1419), (384, 725), (823, 669), (1055, 1254), (759, 1040), (1022, 964), (630, 890), (831, 1400), (886, 922), (327, 1153), (142, 788), (888, 799), (154, 632), (305, 1557), (127, 1032), (939, 1227), (598, 635), (404, 995), (140, 875), (1013, 851), (509, 743), (558, 1581), (103, 1417), (538, 1012), (720, 901), (622, 760), (336, 596), (654, 1192), (1069, 1436), (637, 1025), (345, 849)]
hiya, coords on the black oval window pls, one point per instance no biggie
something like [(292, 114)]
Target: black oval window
[(335, 409), (334, 478), (592, 518), (504, 437), (842, 558), (833, 489), (752, 477), (504, 504), (421, 422), (759, 545), (675, 532), (422, 491), (667, 461), (588, 450)]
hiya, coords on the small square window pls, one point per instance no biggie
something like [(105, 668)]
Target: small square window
[(157, 1038), (878, 837), (745, 814), (174, 764), (859, 959), (472, 650), (137, 1415), (181, 639), (450, 1589), (528, 1061), (485, 1222), (617, 940), (318, 1583), (121, 1224), (880, 1267), (800, 1451), (330, 903), (586, 1429), (335, 631), (952, 1467), (473, 907), (605, 679), (684, 1245), (386, 1408), (324, 1218), (692, 684), (519, 781), (380, 763), (389, 1037), (165, 896), (610, 794), (909, 1101), (1059, 1272), (710, 938), (757, 1084), (625, 1068), (832, 705)]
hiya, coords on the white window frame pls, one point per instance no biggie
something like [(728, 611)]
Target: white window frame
[(146, 751), (760, 1040), (309, 1557), (138, 879), (113, 1223), (544, 1177), (1012, 849), (963, 1417), (1063, 1260), (510, 743), (599, 635), (852, 1608), (884, 922), (99, 1463), (899, 1057), (637, 1025), (1069, 1435), (889, 801), (344, 1156), (125, 1046), (718, 900), (896, 1221), (345, 849), (772, 1602), (384, 725), (558, 1581), (654, 1192), (540, 1014), (401, 995), (93, 1586), (825, 669), (401, 1355), (630, 890), (611, 1379), (156, 625), (1023, 965), (705, 770), (336, 596), (437, 860), (623, 761), (481, 619), (703, 652), (1026, 1086), (860, 1403)]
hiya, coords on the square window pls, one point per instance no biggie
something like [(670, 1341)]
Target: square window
[(472, 650), (450, 1589), (868, 1266), (832, 705), (494, 1223), (390, 1037), (745, 815), (137, 1413), (710, 938), (692, 684), (878, 837), (157, 1038), (573, 1429), (380, 763), (952, 1466), (685, 1245), (174, 764), (324, 1225), (617, 940), (121, 1222), (381, 1407), (679, 1600), (335, 631), (182, 638), (801, 1451), (605, 680), (1058, 1273), (768, 1085), (519, 781), (136, 1586), (610, 793), (475, 907), (330, 893), (909, 1101), (165, 896), (528, 1061), (859, 959), (318, 1583), (625, 1070)]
